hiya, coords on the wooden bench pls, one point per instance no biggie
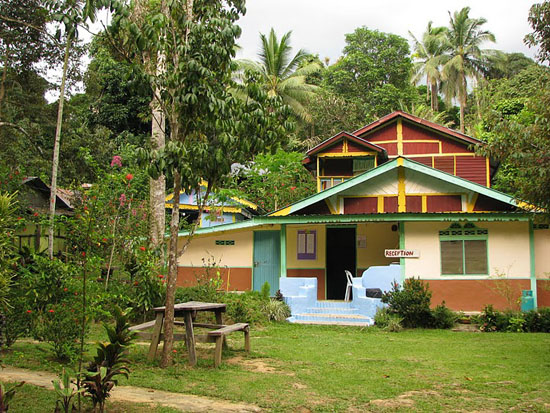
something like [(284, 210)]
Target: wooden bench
[(219, 336)]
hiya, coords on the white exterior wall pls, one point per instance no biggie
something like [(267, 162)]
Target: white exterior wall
[(508, 250)]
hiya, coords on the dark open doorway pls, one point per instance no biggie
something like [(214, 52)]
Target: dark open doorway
[(341, 256)]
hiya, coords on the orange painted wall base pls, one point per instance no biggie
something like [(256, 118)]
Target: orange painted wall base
[(473, 295), (239, 279)]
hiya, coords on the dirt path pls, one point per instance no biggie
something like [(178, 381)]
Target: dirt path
[(183, 402)]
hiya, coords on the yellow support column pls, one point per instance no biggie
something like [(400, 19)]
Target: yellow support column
[(399, 137), (401, 197)]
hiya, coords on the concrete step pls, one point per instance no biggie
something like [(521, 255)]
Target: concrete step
[(334, 304), (333, 310), (331, 319)]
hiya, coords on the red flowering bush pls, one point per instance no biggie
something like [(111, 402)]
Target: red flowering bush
[(60, 327)]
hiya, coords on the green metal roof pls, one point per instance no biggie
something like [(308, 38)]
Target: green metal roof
[(358, 218)]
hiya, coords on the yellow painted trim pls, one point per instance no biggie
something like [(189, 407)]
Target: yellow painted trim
[(318, 177), (169, 198), (390, 141), (375, 161), (330, 208), (454, 165), (345, 146), (245, 202), (380, 204), (433, 161), (399, 137), (234, 218), (283, 212), (336, 176), (488, 167), (410, 193), (344, 155), (401, 197), (437, 155), (231, 210), (400, 162), (471, 205), (424, 203)]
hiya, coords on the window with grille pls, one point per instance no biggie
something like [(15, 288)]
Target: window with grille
[(464, 250)]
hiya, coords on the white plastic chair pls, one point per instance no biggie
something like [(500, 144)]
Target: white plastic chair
[(349, 285)]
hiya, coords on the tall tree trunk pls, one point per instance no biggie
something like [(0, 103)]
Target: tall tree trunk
[(157, 187), (174, 228), (4, 76), (55, 162), (435, 96), (462, 92), (172, 275)]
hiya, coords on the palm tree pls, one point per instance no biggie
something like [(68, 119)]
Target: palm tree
[(465, 58), (428, 54), (282, 75)]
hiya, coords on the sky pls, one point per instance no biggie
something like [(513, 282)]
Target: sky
[(319, 26)]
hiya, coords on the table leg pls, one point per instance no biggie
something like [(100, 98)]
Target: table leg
[(156, 336), (218, 353), (219, 320), (190, 338), (247, 340)]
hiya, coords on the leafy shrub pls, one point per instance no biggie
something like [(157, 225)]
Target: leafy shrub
[(276, 310), (15, 322), (515, 322), (411, 303), (387, 320), (266, 288), (109, 361), (443, 317), (60, 326), (149, 287), (489, 319), (247, 307), (538, 320)]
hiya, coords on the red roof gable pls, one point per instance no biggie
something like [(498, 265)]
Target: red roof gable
[(417, 120), (330, 141)]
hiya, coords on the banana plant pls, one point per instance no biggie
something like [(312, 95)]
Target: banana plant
[(65, 393), (6, 396)]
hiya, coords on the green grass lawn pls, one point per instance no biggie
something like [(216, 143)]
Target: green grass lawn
[(321, 368)]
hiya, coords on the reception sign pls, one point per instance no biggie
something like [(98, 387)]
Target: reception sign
[(401, 253)]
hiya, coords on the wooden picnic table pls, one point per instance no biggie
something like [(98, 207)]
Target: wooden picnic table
[(188, 311)]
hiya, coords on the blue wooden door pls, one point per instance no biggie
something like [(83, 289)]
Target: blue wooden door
[(267, 265)]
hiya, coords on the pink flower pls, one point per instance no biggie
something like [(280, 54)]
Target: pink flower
[(19, 218), (104, 239), (65, 289), (292, 188), (117, 161), (142, 248), (29, 311), (35, 214), (83, 253), (122, 199), (51, 311), (160, 276), (129, 177)]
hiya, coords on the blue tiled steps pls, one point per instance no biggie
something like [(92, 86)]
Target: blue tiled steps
[(332, 312)]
